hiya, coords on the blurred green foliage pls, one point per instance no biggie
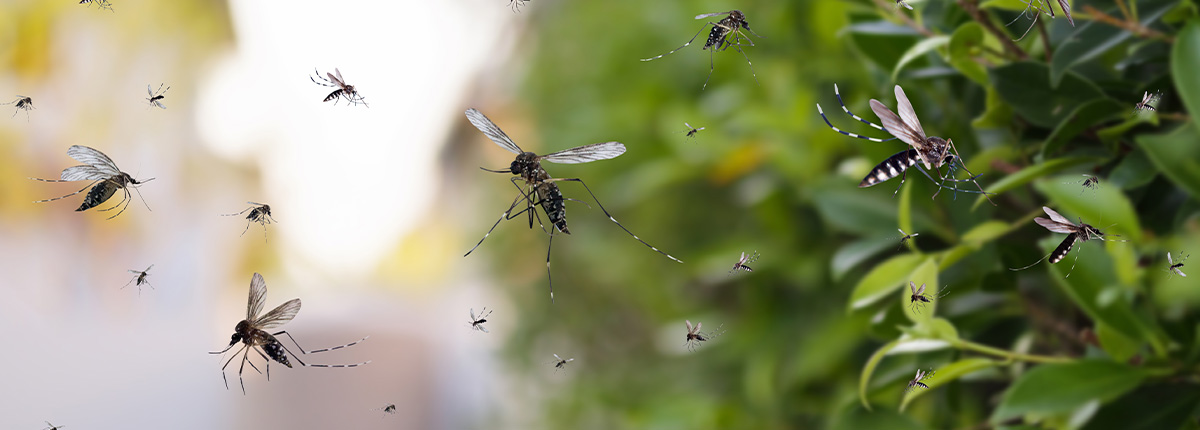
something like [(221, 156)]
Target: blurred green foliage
[(818, 336)]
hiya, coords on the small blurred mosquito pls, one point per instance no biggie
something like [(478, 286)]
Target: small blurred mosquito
[(1089, 182), (252, 333), (105, 177), (902, 3), (743, 261), (259, 213), (477, 322), (156, 97), (718, 39), (140, 278), (1075, 233), (561, 363), (389, 409), (52, 426), (691, 131), (1176, 268), (1036, 11), (926, 153), (343, 91), (695, 336), (1148, 103), (22, 103), (541, 189), (104, 4), (916, 381), (516, 4), (918, 299), (905, 237)]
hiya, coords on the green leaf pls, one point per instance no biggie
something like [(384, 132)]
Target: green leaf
[(864, 379), (854, 418), (1083, 117), (1060, 388), (996, 113), (917, 51), (882, 42), (943, 329), (1119, 347), (948, 373), (1104, 206), (854, 253), (966, 44), (1135, 170), (883, 280), (1185, 58), (1035, 171), (1176, 154), (1150, 407), (1026, 87), (1087, 42), (925, 274)]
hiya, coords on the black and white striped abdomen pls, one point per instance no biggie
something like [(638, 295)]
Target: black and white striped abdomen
[(1063, 248), (892, 167)]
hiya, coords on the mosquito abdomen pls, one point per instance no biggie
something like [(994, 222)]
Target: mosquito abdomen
[(274, 350), (1063, 248), (98, 194), (890, 168), (555, 207)]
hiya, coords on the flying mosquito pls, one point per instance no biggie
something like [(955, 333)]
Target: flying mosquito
[(1176, 268), (695, 336), (918, 299), (930, 152), (1075, 233), (1148, 103), (691, 131), (259, 213), (905, 237), (902, 3), (22, 103), (561, 363), (389, 409), (140, 278), (743, 261), (156, 97), (105, 177), (543, 190), (103, 4), (516, 4), (252, 333), (343, 91), (1036, 11), (1089, 182), (718, 38), (916, 381), (477, 322)]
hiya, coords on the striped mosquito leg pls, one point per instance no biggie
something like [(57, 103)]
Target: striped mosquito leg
[(689, 42), (63, 197), (550, 279), (614, 220), (338, 365), (847, 110), (506, 215), (822, 112), (302, 351)]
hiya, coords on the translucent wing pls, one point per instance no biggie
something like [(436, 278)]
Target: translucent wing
[(1056, 216), (586, 153), (702, 16), (698, 326), (93, 158), (258, 293), (908, 114), (921, 290), (689, 325), (1055, 226), (902, 232), (482, 328), (493, 132), (83, 173), (556, 357), (1066, 10), (1169, 261), (473, 315), (148, 91), (278, 316), (160, 104), (893, 125), (336, 79), (918, 377), (912, 287)]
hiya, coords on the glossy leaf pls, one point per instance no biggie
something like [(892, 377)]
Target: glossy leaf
[(864, 378), (1082, 117), (1176, 154), (1026, 87), (1150, 407), (965, 45), (1060, 388), (883, 280), (919, 50)]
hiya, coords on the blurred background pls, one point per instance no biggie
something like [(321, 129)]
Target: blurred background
[(377, 205)]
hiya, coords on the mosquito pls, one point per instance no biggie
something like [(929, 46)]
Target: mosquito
[(259, 213), (343, 91), (916, 381), (105, 177), (691, 132), (1037, 10), (918, 299), (252, 333), (103, 4), (516, 4), (905, 237), (902, 3), (389, 409), (1075, 233), (1089, 182), (140, 278), (718, 39), (477, 322), (1148, 103), (541, 188), (52, 426), (695, 336), (156, 97), (930, 152), (743, 261), (22, 103), (1176, 268), (561, 363)]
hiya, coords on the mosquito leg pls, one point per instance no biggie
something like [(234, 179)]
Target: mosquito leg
[(610, 217), (689, 42), (739, 49), (1031, 265), (302, 351), (550, 279), (903, 177), (241, 368), (502, 218), (710, 69), (63, 197), (1077, 251)]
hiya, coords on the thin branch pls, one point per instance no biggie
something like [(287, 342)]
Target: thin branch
[(1131, 26), (1009, 355), (972, 8)]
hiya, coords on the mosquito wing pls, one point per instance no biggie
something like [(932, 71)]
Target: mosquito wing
[(338, 78), (1056, 216), (556, 357), (258, 293), (1055, 226), (1169, 261), (706, 15), (148, 91), (473, 315), (83, 173), (893, 125), (493, 132), (908, 114), (1066, 7), (278, 316), (586, 153), (94, 158), (689, 326)]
